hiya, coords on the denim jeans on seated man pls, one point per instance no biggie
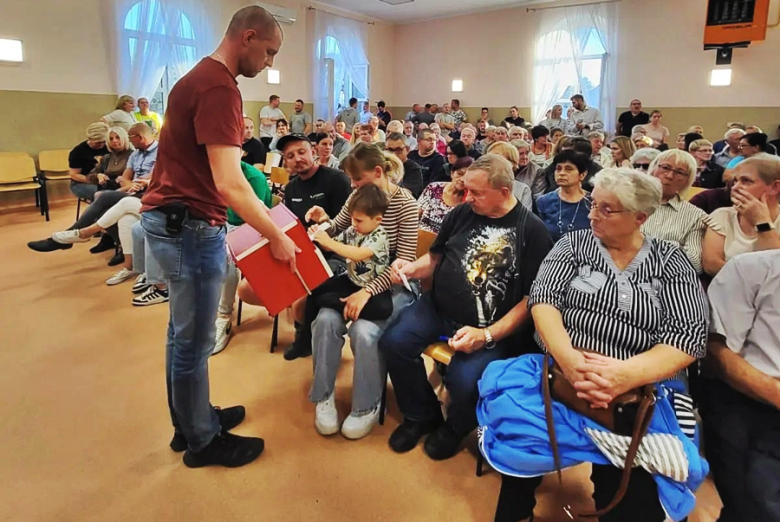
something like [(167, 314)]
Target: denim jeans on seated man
[(369, 374), (193, 264), (402, 345), (83, 190)]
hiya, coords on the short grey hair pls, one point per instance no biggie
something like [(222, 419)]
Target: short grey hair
[(595, 134), (498, 169), (395, 124), (636, 191), (490, 128), (468, 129), (680, 158), (516, 129), (734, 132), (767, 166), (521, 144), (647, 153)]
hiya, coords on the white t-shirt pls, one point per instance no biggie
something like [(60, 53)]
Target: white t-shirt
[(269, 131), (657, 135), (120, 118), (736, 241)]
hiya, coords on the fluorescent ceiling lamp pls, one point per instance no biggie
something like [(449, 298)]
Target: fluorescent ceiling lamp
[(10, 50), (457, 85), (274, 76), (720, 77)]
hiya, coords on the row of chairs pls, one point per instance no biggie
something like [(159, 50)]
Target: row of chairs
[(18, 173)]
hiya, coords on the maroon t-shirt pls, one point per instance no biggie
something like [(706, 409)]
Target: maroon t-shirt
[(204, 108)]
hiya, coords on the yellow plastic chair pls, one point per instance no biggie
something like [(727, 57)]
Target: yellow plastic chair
[(17, 173), (54, 166)]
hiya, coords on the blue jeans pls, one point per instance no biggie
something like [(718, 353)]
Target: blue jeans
[(403, 343), (193, 264), (143, 260), (83, 190)]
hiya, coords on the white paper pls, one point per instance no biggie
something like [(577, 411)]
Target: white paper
[(405, 282)]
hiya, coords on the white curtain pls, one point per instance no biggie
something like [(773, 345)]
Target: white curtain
[(155, 34), (345, 42), (575, 51)]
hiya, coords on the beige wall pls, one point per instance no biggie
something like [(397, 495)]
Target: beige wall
[(660, 60)]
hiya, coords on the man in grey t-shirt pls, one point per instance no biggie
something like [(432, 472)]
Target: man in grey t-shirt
[(350, 115), (300, 121)]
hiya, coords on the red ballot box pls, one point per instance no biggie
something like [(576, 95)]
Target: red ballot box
[(273, 281)]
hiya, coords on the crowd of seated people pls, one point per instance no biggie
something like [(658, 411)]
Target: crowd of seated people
[(553, 238)]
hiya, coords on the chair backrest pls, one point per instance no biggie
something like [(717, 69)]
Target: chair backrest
[(55, 160), (424, 241), (692, 192), (275, 200), (7, 154), (17, 169), (279, 176)]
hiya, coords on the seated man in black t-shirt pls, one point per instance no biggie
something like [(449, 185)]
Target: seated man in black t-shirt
[(426, 156), (483, 262), (254, 150), (83, 159)]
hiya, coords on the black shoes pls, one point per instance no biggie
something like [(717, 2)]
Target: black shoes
[(443, 443), (47, 245), (407, 435), (229, 418), (106, 243), (226, 450), (300, 347), (118, 259)]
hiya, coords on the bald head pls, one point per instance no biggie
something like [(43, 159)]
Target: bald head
[(141, 136), (255, 18), (141, 129)]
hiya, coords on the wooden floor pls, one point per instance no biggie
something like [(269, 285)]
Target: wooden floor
[(85, 427)]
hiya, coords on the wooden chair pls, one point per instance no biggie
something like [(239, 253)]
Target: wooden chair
[(17, 173), (54, 166), (424, 241), (692, 192), (279, 176)]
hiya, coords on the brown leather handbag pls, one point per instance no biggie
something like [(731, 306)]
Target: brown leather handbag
[(629, 415)]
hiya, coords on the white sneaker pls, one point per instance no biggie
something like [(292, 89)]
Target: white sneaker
[(140, 285), (326, 418), (224, 329), (68, 237), (152, 296), (120, 277), (356, 427)]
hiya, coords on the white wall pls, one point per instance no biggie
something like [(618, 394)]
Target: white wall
[(660, 59), (67, 49)]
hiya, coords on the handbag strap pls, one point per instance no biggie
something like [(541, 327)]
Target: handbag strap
[(643, 418)]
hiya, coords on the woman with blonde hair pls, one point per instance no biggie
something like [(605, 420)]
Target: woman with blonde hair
[(123, 116), (365, 164), (655, 130), (676, 220), (112, 165), (355, 134), (555, 119), (642, 142), (622, 149), (709, 174), (752, 224), (509, 152)]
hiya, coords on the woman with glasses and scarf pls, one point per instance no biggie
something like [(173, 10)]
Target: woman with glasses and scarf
[(676, 220)]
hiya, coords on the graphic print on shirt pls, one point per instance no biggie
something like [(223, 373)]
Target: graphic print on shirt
[(489, 267)]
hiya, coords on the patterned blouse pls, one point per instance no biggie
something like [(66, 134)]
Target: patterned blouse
[(434, 209)]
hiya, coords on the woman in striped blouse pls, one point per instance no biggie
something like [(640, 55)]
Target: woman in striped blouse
[(365, 164), (636, 304), (677, 220)]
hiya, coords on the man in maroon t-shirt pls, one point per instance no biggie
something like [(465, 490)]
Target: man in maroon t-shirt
[(197, 175)]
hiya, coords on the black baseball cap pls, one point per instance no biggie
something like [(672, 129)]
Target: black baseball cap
[(290, 138)]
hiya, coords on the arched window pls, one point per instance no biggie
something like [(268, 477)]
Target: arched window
[(160, 45), (343, 85), (573, 56)]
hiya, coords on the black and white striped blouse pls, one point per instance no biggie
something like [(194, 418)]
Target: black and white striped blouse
[(657, 299)]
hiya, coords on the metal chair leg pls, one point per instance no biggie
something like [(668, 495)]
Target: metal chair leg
[(383, 404), (78, 209), (275, 334), (480, 460), (240, 308)]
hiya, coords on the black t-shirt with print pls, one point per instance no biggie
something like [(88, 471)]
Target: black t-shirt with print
[(514, 122), (475, 283), (254, 151), (85, 158), (628, 122), (327, 188), (428, 164)]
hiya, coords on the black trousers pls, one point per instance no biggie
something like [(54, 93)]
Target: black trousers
[(517, 498), (742, 446)]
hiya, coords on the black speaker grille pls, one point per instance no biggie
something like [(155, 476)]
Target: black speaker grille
[(726, 12)]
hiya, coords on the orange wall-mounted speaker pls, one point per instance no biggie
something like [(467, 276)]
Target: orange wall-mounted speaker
[(733, 22)]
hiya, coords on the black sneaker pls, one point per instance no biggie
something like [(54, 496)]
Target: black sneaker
[(106, 243), (226, 450), (229, 418), (295, 351), (141, 285), (407, 435), (118, 259), (151, 296), (443, 443), (47, 245)]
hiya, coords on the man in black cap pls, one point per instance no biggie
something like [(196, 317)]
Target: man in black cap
[(312, 184)]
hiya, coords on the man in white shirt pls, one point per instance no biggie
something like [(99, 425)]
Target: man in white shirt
[(741, 407), (365, 116), (583, 119), (269, 115)]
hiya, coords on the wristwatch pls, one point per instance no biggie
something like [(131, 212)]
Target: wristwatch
[(765, 227), (489, 342)]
